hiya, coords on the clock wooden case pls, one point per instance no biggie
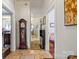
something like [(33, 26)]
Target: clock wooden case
[(22, 34)]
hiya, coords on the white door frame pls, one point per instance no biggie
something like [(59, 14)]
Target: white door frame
[(13, 45)]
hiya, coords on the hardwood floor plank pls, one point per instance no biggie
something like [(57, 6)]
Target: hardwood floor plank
[(30, 54)]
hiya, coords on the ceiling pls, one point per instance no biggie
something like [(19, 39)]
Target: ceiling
[(38, 7), (34, 3), (22, 0)]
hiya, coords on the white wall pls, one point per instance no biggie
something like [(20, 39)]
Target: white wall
[(23, 11), (51, 19), (47, 6), (47, 35), (66, 36), (9, 5)]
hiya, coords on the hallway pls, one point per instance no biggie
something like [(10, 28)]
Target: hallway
[(55, 39), (29, 54), (35, 43)]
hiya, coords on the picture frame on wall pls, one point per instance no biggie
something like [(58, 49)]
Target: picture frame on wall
[(70, 12), (44, 20)]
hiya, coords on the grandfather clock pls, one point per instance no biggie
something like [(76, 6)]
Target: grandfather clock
[(22, 34)]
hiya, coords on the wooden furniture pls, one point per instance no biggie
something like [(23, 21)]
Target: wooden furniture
[(72, 57), (42, 32), (6, 43), (5, 52), (51, 48), (7, 37), (42, 40), (22, 34)]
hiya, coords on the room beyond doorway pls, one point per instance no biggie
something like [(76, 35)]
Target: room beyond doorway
[(37, 33), (6, 31)]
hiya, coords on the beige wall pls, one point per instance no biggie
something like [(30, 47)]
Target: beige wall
[(66, 36)]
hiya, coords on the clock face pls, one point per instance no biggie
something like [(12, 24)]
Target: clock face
[(22, 25)]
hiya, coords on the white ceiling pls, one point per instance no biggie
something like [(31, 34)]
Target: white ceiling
[(38, 7), (22, 0), (34, 3)]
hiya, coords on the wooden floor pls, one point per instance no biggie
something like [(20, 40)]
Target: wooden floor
[(29, 54), (35, 43), (34, 53)]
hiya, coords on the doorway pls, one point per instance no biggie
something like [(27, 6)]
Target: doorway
[(51, 29), (34, 35), (37, 34), (6, 31)]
